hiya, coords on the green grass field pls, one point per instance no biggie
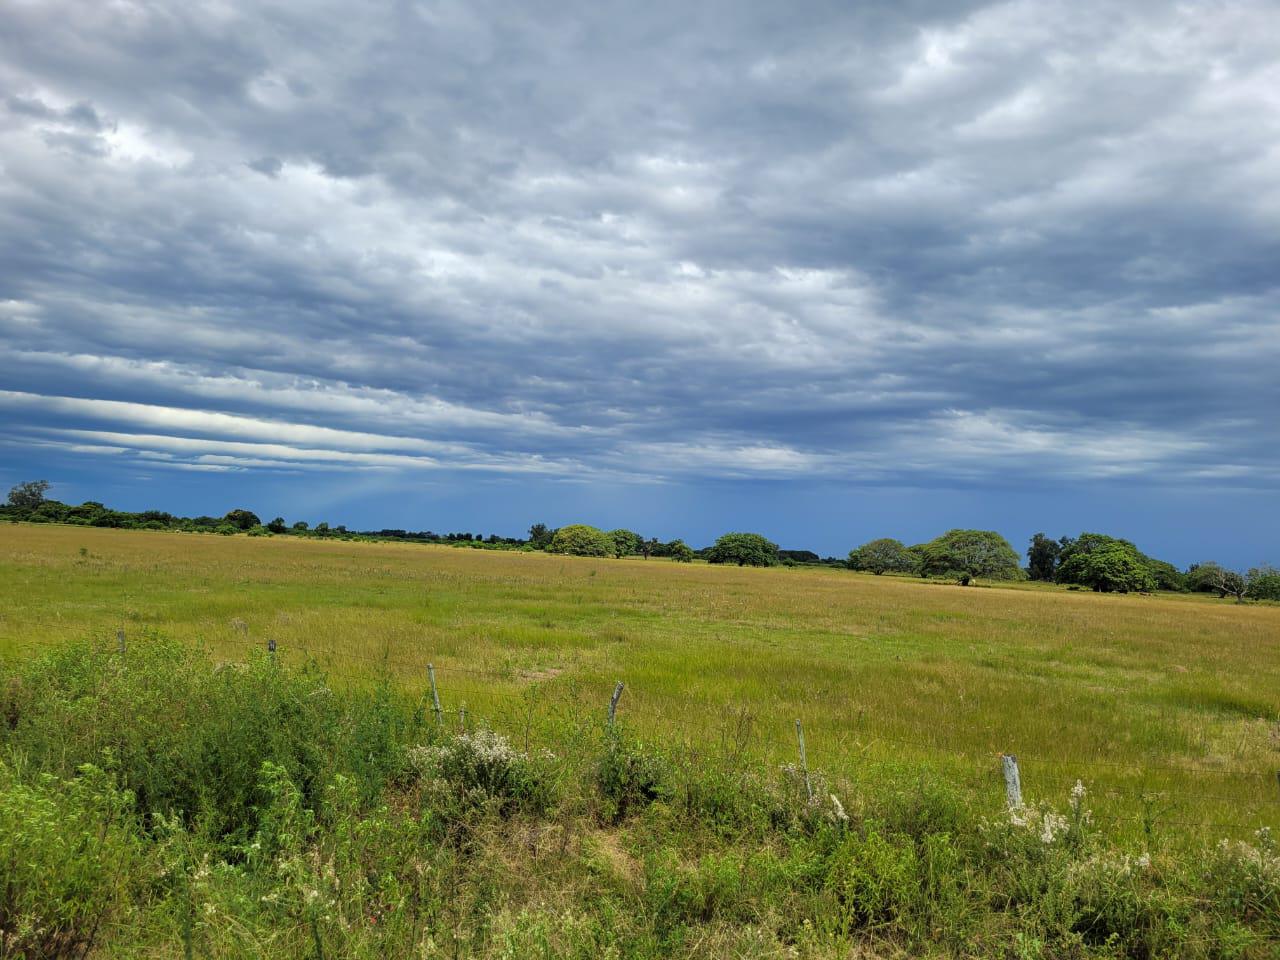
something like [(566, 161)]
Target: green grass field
[(1168, 707)]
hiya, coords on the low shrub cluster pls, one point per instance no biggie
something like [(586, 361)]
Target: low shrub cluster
[(159, 803)]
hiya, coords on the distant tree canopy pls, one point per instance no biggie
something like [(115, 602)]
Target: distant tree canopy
[(881, 556), (1042, 558), (968, 555), (28, 495), (540, 536), (1263, 583), (626, 543), (1105, 564), (679, 551), (581, 540), (744, 549), (277, 525), (242, 519)]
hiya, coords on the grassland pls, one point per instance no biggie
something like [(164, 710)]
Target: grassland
[(1168, 707), (195, 796)]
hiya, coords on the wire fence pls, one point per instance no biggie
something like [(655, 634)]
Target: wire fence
[(1158, 799)]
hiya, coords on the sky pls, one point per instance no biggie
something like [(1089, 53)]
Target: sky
[(826, 271)]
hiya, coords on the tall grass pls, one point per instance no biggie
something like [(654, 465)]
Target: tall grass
[(166, 802)]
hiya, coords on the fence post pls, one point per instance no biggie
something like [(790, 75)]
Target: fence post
[(1012, 782), (120, 641), (462, 718), (613, 702), (804, 760), (435, 695), (271, 647)]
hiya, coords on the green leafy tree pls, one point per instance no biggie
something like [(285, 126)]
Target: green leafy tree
[(28, 495), (300, 527), (918, 557), (626, 543), (967, 555), (277, 525), (647, 547), (744, 549), (1042, 557), (1205, 577), (1167, 576), (242, 519), (1264, 583), (1105, 564), (679, 551), (582, 540), (540, 536), (880, 556)]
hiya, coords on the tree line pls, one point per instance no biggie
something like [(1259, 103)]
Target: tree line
[(1092, 560)]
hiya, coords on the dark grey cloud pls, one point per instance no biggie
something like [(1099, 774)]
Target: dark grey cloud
[(930, 241)]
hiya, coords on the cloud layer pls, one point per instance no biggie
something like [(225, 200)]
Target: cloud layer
[(926, 243)]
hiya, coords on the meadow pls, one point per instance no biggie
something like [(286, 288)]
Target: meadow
[(1166, 708)]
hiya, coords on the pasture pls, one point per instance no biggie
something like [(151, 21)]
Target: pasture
[(1167, 707)]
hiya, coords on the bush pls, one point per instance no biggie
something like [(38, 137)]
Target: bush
[(483, 769), (627, 777), (66, 858), (744, 549)]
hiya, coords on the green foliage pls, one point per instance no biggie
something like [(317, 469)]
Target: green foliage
[(581, 540), (628, 776), (481, 768), (679, 551), (969, 554), (242, 519), (28, 495), (1105, 564), (1042, 558), (744, 549), (540, 536), (277, 525), (1264, 583), (68, 856), (626, 543), (881, 556)]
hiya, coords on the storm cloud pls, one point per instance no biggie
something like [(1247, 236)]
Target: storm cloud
[(915, 243)]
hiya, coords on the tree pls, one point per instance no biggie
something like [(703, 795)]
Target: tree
[(1264, 583), (880, 556), (581, 540), (679, 551), (277, 525), (744, 549), (1105, 564), (917, 556), (300, 527), (1042, 557), (1203, 577), (540, 536), (647, 547), (242, 519), (28, 495), (1167, 576), (970, 554), (626, 542), (1114, 568)]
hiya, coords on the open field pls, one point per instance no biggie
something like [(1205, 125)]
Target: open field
[(1168, 707)]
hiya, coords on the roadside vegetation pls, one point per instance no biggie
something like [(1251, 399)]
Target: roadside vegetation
[(166, 801)]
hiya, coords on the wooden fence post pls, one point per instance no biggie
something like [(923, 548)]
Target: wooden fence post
[(271, 647), (120, 641), (613, 702), (804, 760), (435, 695), (1012, 782)]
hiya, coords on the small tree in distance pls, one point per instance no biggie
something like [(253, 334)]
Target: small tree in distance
[(744, 549), (970, 554), (881, 556), (679, 551), (582, 540), (1042, 558), (28, 495)]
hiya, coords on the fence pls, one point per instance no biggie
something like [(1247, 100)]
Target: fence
[(1005, 770)]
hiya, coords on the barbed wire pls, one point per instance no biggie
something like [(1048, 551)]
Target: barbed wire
[(934, 750)]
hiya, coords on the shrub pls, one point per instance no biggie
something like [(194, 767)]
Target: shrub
[(67, 855), (744, 549), (481, 768), (628, 776)]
